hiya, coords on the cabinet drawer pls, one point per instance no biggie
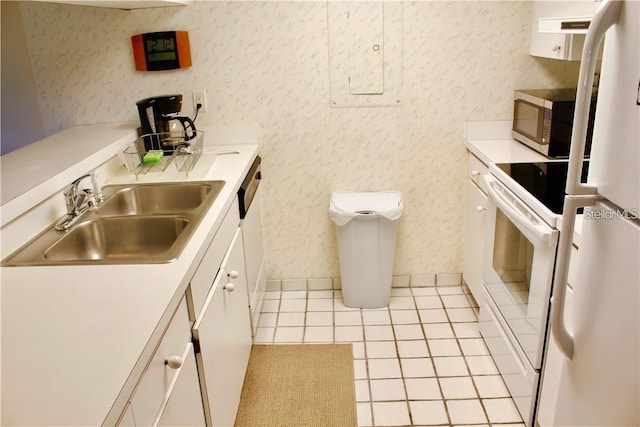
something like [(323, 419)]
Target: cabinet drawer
[(475, 170), (210, 264), (147, 399)]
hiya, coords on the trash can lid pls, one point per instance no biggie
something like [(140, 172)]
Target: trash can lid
[(345, 206)]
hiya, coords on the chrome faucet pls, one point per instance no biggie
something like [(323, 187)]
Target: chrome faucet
[(79, 201)]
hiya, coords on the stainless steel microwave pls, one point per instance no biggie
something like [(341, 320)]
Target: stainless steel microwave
[(543, 120)]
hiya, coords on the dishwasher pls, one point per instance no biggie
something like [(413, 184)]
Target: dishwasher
[(251, 224)]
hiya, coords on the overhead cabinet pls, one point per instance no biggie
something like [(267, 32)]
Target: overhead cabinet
[(558, 28)]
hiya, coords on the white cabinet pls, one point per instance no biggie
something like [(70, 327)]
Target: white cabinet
[(223, 334), (567, 47), (476, 205), (183, 401), (126, 419), (201, 282), (556, 45), (168, 392)]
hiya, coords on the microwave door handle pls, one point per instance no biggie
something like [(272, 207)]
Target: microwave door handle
[(540, 231), (605, 16)]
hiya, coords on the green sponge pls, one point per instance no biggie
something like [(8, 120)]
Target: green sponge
[(153, 156)]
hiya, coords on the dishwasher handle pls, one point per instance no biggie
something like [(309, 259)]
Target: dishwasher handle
[(249, 186)]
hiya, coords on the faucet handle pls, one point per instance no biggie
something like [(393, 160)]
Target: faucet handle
[(72, 197), (90, 198), (72, 189), (77, 202)]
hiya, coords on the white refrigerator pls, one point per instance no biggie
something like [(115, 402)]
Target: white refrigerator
[(591, 375)]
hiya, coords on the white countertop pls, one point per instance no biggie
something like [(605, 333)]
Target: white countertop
[(72, 335), (503, 151), (491, 142)]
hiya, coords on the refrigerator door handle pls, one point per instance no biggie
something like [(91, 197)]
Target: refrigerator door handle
[(559, 331), (606, 15)]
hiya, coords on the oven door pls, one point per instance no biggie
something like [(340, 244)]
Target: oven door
[(520, 252)]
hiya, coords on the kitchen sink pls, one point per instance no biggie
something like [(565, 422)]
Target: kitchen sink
[(145, 199), (120, 238), (136, 224)]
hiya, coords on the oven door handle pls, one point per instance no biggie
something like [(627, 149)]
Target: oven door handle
[(520, 214)]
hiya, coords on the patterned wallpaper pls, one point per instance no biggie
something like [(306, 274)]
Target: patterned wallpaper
[(267, 63)]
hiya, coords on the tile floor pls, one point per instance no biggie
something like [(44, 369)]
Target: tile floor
[(420, 361)]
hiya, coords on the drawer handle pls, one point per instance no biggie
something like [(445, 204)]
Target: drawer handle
[(233, 274), (475, 173), (229, 287), (480, 208), (174, 362)]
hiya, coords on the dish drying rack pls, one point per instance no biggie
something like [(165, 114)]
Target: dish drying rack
[(180, 150)]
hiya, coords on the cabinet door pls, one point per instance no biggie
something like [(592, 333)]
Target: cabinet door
[(473, 239), (559, 45), (223, 332), (212, 260), (555, 46), (126, 419), (184, 401), (149, 400)]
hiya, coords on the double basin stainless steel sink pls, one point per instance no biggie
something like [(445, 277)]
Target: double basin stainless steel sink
[(137, 223)]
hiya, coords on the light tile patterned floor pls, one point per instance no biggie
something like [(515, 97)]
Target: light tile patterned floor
[(420, 361)]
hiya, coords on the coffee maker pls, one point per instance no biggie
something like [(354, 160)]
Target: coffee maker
[(161, 123)]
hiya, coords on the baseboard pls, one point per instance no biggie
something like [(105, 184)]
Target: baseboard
[(333, 283)]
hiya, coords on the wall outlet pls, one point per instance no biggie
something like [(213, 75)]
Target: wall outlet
[(199, 98)]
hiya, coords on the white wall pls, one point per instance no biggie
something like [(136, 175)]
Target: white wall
[(266, 63), (21, 121)]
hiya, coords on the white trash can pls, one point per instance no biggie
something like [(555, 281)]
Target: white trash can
[(366, 231)]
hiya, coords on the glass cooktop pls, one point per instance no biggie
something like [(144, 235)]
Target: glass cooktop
[(545, 181)]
